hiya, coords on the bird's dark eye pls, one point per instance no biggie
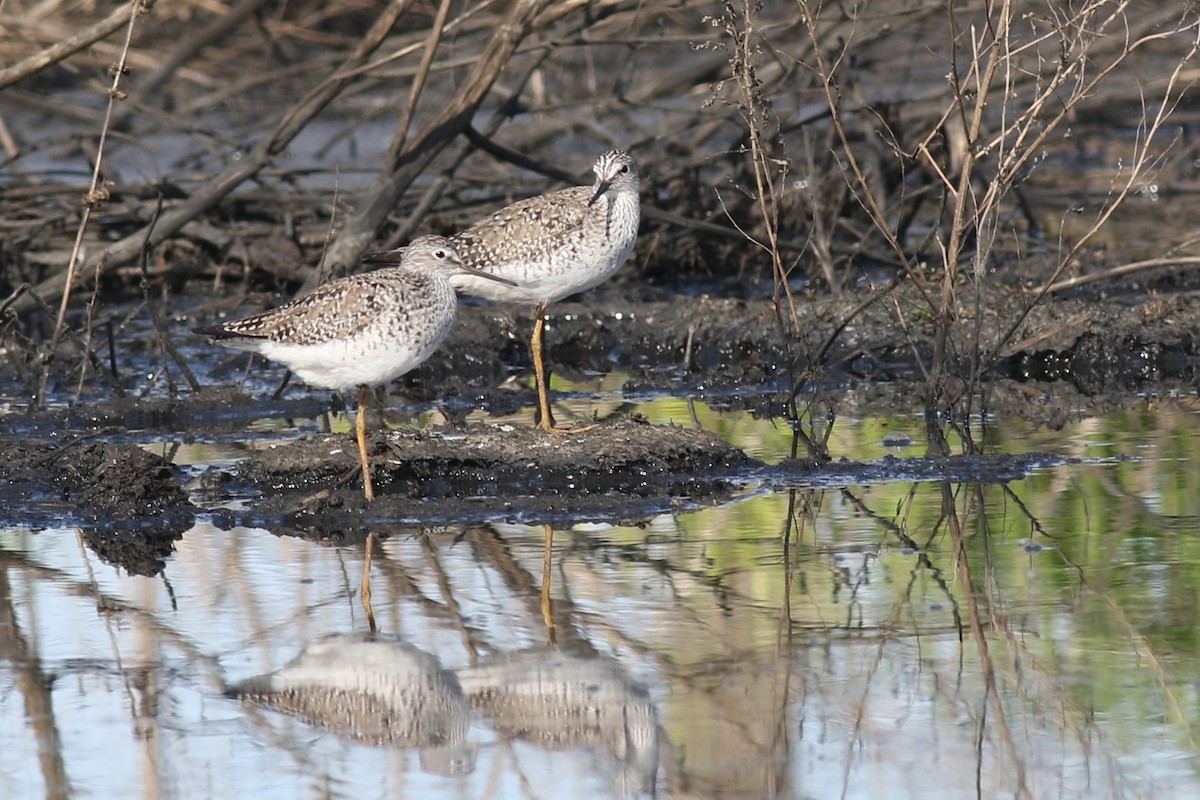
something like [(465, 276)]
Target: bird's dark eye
[(440, 254), (624, 168)]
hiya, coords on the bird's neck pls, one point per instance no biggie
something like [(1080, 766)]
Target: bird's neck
[(620, 200), (621, 213)]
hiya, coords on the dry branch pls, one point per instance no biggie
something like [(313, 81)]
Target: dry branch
[(67, 47), (191, 46), (267, 148), (395, 178)]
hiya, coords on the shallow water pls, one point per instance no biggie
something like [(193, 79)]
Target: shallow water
[(1039, 641)]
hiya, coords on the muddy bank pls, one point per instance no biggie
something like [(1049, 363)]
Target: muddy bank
[(129, 505), (1090, 352), (132, 505), (621, 470), (722, 347), (1069, 357), (93, 482)]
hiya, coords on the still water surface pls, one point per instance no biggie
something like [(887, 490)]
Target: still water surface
[(1035, 639)]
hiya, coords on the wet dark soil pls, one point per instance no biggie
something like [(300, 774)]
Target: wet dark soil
[(132, 505), (129, 504), (1068, 357), (620, 470), (1086, 352), (96, 481)]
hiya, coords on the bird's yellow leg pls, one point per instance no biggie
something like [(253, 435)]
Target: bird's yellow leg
[(360, 431), (546, 416)]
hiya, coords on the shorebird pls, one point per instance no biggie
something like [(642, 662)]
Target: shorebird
[(363, 330), (551, 246)]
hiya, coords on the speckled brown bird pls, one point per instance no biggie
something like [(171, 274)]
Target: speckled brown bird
[(551, 246), (362, 330)]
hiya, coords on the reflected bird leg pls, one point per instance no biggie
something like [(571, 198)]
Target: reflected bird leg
[(360, 431), (365, 593), (546, 562)]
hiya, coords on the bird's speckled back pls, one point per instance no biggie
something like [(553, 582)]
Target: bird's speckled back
[(361, 330), (556, 244)]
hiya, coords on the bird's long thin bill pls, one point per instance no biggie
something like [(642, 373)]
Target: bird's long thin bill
[(601, 189), (490, 276), (388, 257)]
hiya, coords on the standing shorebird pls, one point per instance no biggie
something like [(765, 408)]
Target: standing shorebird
[(552, 246), (362, 330)]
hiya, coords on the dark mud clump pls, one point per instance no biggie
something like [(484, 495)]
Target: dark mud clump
[(98, 481), (622, 469), (120, 481), (143, 552), (630, 457), (132, 506), (129, 503)]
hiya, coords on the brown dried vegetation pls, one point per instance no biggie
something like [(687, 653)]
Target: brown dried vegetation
[(788, 149)]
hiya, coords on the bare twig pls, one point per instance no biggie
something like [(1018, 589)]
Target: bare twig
[(267, 148), (67, 47), (474, 138), (97, 194), (113, 382), (418, 83), (1117, 272), (164, 338), (1145, 154), (403, 169)]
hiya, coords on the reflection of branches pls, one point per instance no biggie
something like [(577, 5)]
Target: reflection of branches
[(713, 583), (34, 688), (797, 519), (1144, 649), (444, 586), (490, 546), (921, 552), (957, 537), (401, 584), (989, 626), (861, 709), (112, 604), (37, 688), (1039, 528), (904, 601)]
